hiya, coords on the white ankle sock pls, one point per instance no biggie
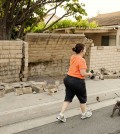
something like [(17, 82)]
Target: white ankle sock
[(61, 114)]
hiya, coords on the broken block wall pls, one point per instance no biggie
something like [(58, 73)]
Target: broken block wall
[(13, 61), (49, 54)]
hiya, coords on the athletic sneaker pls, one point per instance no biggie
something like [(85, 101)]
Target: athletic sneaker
[(61, 118), (87, 114)]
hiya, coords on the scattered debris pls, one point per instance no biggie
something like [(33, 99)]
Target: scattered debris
[(21, 88), (2, 91), (52, 89), (98, 99), (38, 87), (105, 74), (34, 92)]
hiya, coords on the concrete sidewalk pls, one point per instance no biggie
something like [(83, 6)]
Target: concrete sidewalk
[(28, 106)]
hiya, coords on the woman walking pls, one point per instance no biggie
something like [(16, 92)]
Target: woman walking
[(75, 82)]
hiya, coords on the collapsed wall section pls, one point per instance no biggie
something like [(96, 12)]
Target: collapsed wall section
[(49, 54)]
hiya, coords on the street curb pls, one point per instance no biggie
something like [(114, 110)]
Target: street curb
[(46, 109)]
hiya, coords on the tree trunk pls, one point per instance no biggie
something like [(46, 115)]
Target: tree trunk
[(9, 31), (3, 34)]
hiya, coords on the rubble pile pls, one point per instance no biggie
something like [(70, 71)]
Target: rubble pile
[(21, 88), (105, 74)]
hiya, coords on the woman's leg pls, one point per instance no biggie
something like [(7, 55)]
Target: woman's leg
[(69, 94), (85, 113), (64, 106), (83, 107), (61, 117), (81, 94)]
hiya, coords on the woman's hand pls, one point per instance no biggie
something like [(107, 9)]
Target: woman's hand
[(90, 74), (84, 73)]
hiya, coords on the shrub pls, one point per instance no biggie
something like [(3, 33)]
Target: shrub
[(93, 24), (65, 24)]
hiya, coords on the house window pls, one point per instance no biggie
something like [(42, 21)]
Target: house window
[(105, 41)]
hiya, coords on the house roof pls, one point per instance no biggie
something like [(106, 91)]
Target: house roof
[(109, 19), (74, 30)]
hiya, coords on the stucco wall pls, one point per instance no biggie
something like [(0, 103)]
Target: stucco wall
[(13, 61)]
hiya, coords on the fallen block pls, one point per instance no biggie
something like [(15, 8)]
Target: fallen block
[(38, 87), (18, 90), (26, 88), (52, 89)]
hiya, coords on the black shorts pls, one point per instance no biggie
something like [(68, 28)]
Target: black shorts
[(75, 86)]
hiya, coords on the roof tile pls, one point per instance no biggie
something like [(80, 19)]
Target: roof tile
[(107, 19)]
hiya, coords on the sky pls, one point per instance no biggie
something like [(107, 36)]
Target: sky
[(93, 7)]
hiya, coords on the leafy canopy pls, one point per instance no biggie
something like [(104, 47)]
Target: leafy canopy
[(18, 15)]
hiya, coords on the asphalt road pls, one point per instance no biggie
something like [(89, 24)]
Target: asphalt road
[(99, 123)]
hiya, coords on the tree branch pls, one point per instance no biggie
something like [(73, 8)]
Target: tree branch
[(38, 20), (6, 6), (28, 5), (38, 4), (53, 23), (21, 30), (17, 14), (53, 14)]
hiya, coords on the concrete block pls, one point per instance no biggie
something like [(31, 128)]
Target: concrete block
[(37, 89), (19, 56), (0, 48), (26, 88), (18, 47), (24, 79), (8, 88), (15, 51), (18, 89), (5, 52), (5, 47)]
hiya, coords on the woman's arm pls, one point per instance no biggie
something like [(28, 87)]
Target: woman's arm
[(84, 73)]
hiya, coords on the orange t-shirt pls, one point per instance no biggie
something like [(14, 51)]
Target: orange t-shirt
[(77, 63)]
